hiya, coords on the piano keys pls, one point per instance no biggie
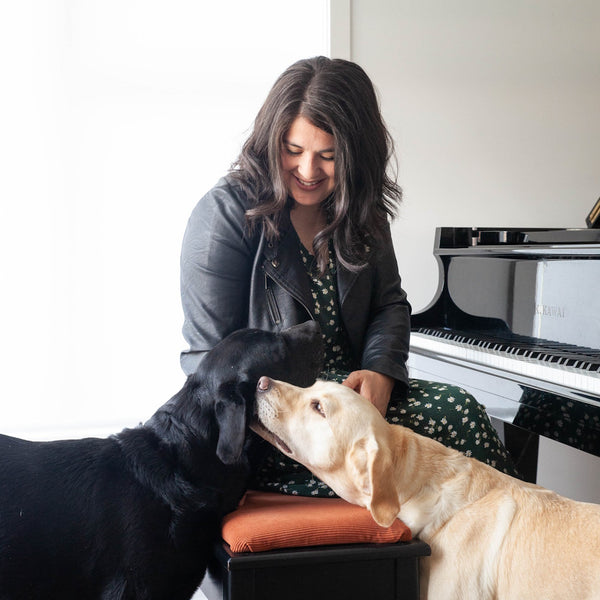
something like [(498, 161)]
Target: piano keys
[(516, 322), (574, 368)]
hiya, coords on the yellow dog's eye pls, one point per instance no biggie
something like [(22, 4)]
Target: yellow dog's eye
[(316, 405)]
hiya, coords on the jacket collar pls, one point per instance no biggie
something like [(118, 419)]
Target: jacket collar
[(283, 264)]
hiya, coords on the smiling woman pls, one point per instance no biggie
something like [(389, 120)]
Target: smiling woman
[(120, 114), (308, 169), (307, 163), (298, 230)]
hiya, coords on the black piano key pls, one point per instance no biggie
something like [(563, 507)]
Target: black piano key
[(560, 354)]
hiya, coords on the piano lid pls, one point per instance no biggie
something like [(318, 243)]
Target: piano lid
[(539, 283), (535, 240)]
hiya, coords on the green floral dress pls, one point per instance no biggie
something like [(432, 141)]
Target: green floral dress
[(443, 412)]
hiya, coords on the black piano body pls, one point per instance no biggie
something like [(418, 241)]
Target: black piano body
[(516, 322)]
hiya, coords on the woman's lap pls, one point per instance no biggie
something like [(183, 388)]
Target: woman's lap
[(453, 417)]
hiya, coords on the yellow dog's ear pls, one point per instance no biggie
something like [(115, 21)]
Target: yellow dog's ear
[(371, 467)]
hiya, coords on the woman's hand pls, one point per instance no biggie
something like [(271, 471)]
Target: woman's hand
[(375, 387)]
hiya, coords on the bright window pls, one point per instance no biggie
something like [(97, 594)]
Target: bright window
[(116, 116)]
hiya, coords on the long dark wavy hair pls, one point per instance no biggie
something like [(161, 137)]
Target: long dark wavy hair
[(338, 97)]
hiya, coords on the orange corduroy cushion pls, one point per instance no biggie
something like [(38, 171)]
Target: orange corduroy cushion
[(266, 521)]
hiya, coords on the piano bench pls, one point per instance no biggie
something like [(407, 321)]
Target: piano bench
[(351, 571), (278, 546)]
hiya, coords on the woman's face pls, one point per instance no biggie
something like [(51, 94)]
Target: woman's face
[(307, 160)]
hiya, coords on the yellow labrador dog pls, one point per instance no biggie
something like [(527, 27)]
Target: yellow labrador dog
[(491, 536)]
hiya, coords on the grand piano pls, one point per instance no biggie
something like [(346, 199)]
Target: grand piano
[(516, 322)]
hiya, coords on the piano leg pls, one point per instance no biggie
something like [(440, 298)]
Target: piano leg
[(552, 464), (523, 447)]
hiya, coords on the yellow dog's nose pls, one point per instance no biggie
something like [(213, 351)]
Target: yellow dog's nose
[(264, 384)]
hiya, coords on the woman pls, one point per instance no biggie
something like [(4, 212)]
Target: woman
[(299, 229)]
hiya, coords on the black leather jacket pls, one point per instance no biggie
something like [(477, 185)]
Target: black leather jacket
[(230, 280)]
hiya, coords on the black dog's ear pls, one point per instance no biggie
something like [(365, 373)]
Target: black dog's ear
[(231, 417)]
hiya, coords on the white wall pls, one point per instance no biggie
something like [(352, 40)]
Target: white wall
[(115, 117), (495, 109)]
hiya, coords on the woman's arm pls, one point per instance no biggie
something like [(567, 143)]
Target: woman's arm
[(386, 342), (216, 260)]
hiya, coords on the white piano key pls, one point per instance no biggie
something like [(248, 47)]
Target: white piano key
[(568, 376)]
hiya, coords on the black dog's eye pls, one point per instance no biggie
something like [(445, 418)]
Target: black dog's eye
[(316, 405)]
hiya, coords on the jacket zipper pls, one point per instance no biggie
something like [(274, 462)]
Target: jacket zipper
[(272, 302)]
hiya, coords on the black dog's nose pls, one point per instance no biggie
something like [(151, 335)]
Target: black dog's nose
[(264, 383)]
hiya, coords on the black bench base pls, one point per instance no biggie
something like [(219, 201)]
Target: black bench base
[(352, 572)]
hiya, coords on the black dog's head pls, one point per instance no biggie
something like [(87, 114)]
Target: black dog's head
[(231, 371), (216, 402)]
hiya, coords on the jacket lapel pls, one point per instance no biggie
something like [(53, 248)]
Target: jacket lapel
[(345, 281), (283, 264)]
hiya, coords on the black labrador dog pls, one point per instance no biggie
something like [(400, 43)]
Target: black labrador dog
[(135, 515)]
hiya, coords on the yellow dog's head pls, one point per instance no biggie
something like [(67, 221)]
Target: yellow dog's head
[(337, 434)]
